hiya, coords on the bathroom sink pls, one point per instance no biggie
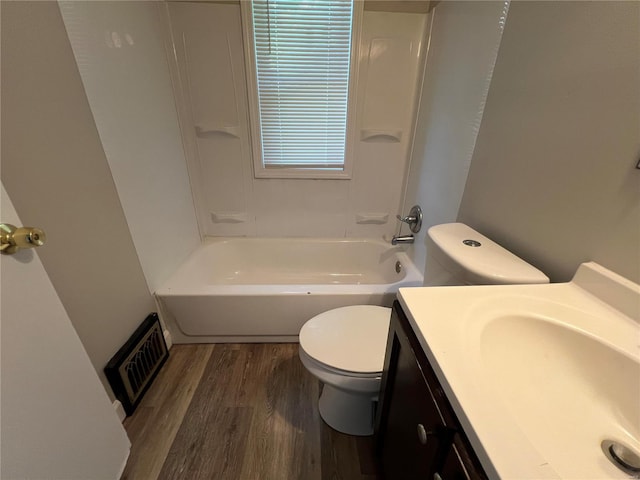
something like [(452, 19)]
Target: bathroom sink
[(566, 389), (539, 375)]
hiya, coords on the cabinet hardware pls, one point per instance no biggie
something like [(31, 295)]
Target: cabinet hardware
[(422, 434)]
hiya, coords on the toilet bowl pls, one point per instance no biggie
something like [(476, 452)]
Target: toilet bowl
[(345, 347)]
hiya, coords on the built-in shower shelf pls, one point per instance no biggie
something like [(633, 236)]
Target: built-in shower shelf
[(209, 129), (228, 217), (372, 218), (380, 135)]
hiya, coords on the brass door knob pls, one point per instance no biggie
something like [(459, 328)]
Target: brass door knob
[(14, 238)]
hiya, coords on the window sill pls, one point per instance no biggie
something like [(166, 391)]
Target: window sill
[(293, 173)]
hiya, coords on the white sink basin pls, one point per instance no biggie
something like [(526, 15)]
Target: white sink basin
[(539, 375), (564, 388)]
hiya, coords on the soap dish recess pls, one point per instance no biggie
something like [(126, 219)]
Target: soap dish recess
[(380, 135), (206, 129), (372, 218), (228, 217)]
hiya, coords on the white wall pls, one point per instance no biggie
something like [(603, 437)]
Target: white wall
[(210, 68), (391, 58), (120, 53), (553, 176), (55, 170), (464, 42)]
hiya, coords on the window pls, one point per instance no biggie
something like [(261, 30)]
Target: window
[(300, 59)]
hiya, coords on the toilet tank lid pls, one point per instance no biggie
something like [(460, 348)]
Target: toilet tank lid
[(486, 263)]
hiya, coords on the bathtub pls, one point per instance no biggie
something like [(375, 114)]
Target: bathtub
[(265, 289)]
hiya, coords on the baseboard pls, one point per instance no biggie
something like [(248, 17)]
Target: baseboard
[(119, 409), (167, 338), (165, 331)]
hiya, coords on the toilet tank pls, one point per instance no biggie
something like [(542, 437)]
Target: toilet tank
[(458, 255)]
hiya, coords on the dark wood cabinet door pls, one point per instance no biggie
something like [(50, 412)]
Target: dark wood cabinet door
[(460, 463), (417, 433), (452, 468), (404, 453)]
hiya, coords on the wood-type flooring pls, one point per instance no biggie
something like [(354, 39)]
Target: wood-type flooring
[(239, 412)]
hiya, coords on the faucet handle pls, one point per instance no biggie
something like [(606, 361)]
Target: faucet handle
[(407, 219), (414, 219)]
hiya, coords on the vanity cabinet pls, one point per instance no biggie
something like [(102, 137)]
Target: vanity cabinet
[(417, 433)]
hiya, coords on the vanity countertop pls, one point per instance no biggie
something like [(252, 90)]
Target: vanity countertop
[(514, 362)]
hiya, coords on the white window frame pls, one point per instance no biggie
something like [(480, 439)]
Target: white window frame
[(260, 171)]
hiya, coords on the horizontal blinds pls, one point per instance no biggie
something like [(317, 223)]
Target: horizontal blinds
[(302, 62)]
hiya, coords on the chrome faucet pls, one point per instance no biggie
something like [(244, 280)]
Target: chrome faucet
[(400, 239), (414, 220)]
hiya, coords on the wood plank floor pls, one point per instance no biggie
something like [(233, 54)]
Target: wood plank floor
[(239, 411)]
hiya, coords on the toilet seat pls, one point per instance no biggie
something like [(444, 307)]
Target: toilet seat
[(314, 363), (348, 340)]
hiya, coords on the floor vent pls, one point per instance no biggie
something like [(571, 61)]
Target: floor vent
[(131, 370)]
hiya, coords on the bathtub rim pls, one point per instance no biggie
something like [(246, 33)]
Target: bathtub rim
[(413, 276)]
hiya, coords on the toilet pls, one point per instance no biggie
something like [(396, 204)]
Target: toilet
[(345, 347)]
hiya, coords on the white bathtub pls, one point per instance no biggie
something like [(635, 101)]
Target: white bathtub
[(265, 289)]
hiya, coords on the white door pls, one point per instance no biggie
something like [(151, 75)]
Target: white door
[(56, 419)]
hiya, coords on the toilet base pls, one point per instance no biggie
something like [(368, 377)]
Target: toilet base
[(347, 412)]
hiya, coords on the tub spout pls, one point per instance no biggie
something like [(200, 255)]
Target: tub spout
[(398, 239)]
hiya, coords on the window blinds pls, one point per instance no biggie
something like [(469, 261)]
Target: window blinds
[(302, 64)]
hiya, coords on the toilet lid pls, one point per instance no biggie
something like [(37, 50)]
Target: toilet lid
[(349, 338)]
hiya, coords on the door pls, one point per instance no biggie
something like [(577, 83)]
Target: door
[(57, 421)]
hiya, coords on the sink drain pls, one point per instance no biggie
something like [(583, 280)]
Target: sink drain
[(622, 457)]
